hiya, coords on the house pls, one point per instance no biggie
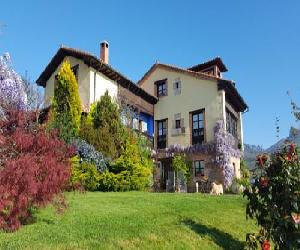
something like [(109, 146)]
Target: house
[(197, 113), (194, 111), (95, 76)]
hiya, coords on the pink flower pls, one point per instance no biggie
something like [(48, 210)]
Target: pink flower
[(264, 182), (296, 218), (266, 245)]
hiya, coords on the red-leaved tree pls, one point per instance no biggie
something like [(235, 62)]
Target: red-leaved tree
[(34, 168)]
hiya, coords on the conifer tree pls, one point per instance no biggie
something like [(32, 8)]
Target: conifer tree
[(66, 105)]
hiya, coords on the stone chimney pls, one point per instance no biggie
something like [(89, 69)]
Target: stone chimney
[(104, 51)]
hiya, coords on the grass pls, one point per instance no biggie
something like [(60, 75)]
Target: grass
[(137, 220)]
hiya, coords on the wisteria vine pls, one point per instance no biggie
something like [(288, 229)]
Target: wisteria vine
[(223, 148)]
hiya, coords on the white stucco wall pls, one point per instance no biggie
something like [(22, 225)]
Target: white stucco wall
[(100, 84)]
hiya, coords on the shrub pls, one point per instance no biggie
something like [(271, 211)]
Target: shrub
[(100, 138), (108, 182), (88, 153), (133, 174), (34, 169), (66, 105), (85, 174), (274, 200)]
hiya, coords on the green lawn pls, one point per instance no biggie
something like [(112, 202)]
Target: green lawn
[(137, 220)]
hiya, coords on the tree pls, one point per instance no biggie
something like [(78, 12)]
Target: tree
[(103, 128), (66, 105), (34, 168), (274, 200), (105, 113), (180, 166)]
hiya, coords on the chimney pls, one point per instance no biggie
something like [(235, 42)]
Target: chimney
[(104, 51)]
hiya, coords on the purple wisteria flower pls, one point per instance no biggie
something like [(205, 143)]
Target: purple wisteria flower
[(225, 149), (12, 89)]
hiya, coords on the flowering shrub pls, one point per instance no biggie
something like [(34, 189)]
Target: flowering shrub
[(225, 149), (12, 90), (34, 169), (88, 153), (274, 200)]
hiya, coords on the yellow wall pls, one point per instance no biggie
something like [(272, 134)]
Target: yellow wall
[(195, 94), (83, 82)]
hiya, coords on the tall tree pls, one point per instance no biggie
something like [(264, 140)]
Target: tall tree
[(103, 128), (66, 105)]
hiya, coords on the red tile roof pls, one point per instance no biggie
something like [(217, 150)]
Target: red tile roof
[(98, 65)]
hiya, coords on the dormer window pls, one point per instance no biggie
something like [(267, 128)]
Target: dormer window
[(161, 88)]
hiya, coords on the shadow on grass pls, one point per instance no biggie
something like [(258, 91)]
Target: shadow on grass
[(224, 240)]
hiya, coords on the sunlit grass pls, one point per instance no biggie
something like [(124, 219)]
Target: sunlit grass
[(137, 220)]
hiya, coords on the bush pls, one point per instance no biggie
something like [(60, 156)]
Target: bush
[(88, 153), (274, 200), (132, 170), (66, 105), (100, 138), (131, 166), (108, 182), (85, 175), (34, 169)]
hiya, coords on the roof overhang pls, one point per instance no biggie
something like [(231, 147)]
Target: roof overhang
[(232, 95), (94, 62), (216, 61)]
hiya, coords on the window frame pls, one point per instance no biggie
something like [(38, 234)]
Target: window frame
[(200, 130), (199, 170), (161, 138), (177, 123), (161, 88), (231, 123)]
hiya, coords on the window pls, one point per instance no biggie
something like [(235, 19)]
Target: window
[(135, 123), (198, 127), (143, 126), (177, 124), (75, 70), (161, 86), (162, 134), (177, 87), (231, 123), (199, 168)]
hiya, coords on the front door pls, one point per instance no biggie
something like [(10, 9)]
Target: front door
[(167, 176)]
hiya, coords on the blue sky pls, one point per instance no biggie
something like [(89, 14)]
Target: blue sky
[(259, 41)]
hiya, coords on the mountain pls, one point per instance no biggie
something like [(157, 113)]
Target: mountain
[(294, 137), (251, 151)]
